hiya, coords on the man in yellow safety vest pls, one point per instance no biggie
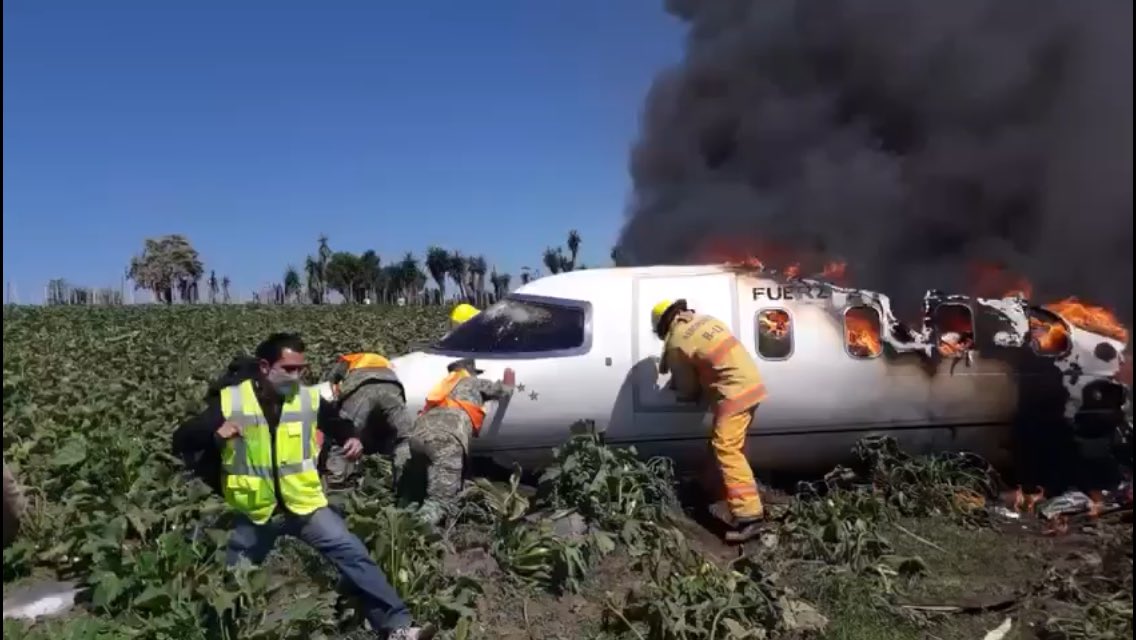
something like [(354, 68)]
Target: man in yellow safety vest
[(266, 430), (708, 364)]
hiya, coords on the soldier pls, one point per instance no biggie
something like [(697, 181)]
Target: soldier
[(453, 413), (709, 365), (367, 392)]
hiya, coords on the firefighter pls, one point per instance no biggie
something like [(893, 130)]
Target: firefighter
[(462, 313), (454, 412), (366, 390), (709, 365)]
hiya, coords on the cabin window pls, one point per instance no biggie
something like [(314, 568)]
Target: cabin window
[(862, 332), (518, 325), (1049, 335), (954, 328), (774, 334)]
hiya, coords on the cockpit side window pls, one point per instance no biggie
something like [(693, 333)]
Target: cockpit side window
[(523, 325)]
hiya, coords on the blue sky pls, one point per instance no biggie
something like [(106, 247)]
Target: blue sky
[(254, 126)]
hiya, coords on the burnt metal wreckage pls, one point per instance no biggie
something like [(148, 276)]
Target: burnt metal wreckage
[(1070, 393)]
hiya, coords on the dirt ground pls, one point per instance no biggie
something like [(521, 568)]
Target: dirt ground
[(976, 578)]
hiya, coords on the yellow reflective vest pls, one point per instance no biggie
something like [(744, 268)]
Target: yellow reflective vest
[(247, 459)]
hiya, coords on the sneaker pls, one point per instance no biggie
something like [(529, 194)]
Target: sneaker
[(412, 633)]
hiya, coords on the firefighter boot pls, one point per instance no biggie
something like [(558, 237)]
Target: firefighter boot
[(741, 529)]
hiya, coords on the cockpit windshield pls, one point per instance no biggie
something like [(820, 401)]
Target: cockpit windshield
[(520, 325)]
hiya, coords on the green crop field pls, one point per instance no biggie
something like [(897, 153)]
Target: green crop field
[(91, 396)]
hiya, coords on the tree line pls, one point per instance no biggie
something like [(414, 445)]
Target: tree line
[(171, 269)]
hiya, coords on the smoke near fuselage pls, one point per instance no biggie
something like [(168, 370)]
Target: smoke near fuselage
[(910, 138)]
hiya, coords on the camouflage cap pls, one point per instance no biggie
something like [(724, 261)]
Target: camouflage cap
[(465, 363)]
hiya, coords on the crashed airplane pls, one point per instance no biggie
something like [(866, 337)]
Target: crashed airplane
[(838, 364)]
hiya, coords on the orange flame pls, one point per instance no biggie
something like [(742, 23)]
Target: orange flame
[(791, 264), (1090, 318), (862, 332), (1022, 502), (956, 330), (1048, 336), (775, 322)]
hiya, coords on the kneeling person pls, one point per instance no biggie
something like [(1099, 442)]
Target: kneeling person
[(454, 412)]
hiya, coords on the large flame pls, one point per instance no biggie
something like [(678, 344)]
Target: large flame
[(956, 332), (862, 332), (791, 264)]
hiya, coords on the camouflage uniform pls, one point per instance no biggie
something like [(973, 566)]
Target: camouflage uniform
[(440, 440), (375, 402)]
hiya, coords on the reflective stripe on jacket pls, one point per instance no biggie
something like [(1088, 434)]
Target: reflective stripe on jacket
[(701, 351), (247, 460), (440, 396)]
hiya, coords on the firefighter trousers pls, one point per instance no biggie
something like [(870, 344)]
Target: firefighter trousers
[(728, 442)]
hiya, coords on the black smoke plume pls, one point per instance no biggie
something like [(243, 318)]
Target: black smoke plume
[(909, 137)]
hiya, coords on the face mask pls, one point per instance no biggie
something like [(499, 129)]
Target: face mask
[(285, 384)]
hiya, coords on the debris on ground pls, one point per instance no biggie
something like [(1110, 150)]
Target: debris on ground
[(40, 600)]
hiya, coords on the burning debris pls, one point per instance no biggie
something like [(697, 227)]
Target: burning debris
[(912, 139)]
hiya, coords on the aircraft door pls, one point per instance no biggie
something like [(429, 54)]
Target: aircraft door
[(659, 416)]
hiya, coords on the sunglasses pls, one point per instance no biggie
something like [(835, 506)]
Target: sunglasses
[(293, 368)]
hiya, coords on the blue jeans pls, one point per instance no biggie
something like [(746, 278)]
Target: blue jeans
[(327, 533)]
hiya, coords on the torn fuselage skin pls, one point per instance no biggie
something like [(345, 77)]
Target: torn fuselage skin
[(1070, 393)]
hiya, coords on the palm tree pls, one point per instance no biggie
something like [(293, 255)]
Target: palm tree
[(438, 264), (411, 276), (291, 283), (457, 269), (370, 267), (225, 282), (323, 255), (553, 259), (477, 268), (573, 249), (315, 280), (214, 287)]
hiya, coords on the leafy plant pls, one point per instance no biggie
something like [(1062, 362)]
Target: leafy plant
[(610, 487), (688, 596), (530, 550)]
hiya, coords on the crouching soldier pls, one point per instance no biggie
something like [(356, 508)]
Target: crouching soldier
[(454, 412), (367, 392), (265, 428)]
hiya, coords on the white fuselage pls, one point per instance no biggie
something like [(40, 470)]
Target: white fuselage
[(599, 364)]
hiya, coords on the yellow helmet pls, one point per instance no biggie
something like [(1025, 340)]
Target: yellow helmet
[(462, 313), (657, 312)]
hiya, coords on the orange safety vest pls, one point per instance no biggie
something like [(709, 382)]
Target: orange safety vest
[(439, 396)]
